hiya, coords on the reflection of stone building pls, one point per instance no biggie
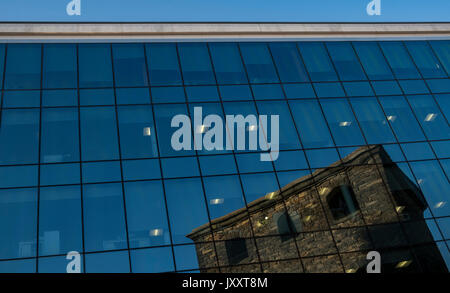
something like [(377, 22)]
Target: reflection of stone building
[(362, 200)]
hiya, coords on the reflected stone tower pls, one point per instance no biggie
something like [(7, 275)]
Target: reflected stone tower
[(331, 219)]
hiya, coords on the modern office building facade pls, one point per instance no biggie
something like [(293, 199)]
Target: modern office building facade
[(88, 163)]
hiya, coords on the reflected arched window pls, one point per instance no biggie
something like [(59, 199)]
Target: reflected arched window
[(342, 202)]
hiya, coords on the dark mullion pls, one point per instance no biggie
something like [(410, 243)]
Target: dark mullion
[(39, 159), (120, 157), (197, 157), (159, 161), (81, 158)]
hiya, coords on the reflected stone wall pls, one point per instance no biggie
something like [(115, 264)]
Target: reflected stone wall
[(265, 232)]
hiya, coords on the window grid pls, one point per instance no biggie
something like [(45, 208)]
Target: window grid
[(197, 155)]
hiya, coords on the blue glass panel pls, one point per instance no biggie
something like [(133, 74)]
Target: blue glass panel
[(95, 65), (60, 66), (60, 220), (235, 93), (429, 116), (59, 135), (23, 66), (442, 148), (434, 185), (268, 92), (442, 50), (372, 60), (19, 99), (20, 266), (386, 88), (180, 167), (168, 95), (224, 195), (195, 64), (97, 97), (342, 122), (443, 101), (439, 85), (202, 93), (164, 115), (132, 96), (329, 90), (163, 64), (217, 165), (137, 132), (286, 177), (58, 174), (401, 119), (108, 262), (288, 138), (56, 264), (59, 98), (444, 224), (291, 160), (394, 152), (288, 61), (18, 214), (322, 158), (187, 209), (345, 61), (248, 163), (311, 124), (399, 60), (186, 257), (425, 59), (19, 137), (101, 172), (258, 185), (317, 61), (413, 87), (99, 134), (418, 151), (358, 89), (227, 63), (141, 169), (129, 65), (299, 91), (146, 214), (154, 260), (104, 221), (18, 176), (372, 120), (259, 64)]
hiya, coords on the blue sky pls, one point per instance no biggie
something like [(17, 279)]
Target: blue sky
[(225, 10)]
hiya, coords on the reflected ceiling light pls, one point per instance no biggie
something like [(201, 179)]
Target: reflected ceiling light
[(430, 117), (399, 209), (147, 131), (215, 201), (307, 218), (323, 190), (391, 118), (156, 232), (439, 204), (202, 128), (252, 128), (420, 181), (403, 264), (266, 218), (271, 195), (344, 123), (350, 271)]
